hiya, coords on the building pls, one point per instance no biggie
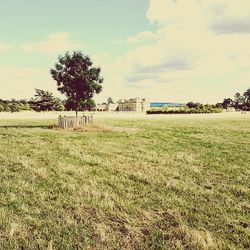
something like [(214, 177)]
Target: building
[(134, 104), (106, 107), (100, 107), (112, 107)]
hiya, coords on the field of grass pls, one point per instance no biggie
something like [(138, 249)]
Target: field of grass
[(179, 182)]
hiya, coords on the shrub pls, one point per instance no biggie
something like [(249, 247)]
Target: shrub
[(199, 109)]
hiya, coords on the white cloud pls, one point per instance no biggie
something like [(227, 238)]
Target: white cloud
[(138, 38), (55, 43), (20, 82), (222, 16), (229, 16), (5, 46), (200, 52), (141, 37)]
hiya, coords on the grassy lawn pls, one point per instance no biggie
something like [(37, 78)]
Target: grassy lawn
[(176, 183)]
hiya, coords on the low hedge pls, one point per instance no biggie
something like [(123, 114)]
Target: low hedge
[(205, 110)]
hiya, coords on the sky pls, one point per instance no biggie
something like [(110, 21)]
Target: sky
[(164, 50)]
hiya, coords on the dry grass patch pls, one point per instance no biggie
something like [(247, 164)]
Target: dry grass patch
[(170, 183)]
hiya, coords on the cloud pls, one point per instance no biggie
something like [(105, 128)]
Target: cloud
[(229, 16), (55, 43), (228, 26), (200, 51), (140, 37), (5, 46), (20, 82)]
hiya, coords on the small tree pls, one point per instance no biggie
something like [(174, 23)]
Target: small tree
[(110, 100), (190, 105), (77, 78), (228, 102), (45, 101), (219, 105), (238, 101)]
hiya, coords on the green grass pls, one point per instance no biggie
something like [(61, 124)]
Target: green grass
[(161, 184)]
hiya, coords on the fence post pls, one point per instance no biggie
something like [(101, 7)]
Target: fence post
[(74, 122)]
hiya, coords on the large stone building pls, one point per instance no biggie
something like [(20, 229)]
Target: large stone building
[(134, 104), (107, 107)]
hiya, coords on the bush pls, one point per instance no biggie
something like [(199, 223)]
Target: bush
[(201, 109), (13, 105)]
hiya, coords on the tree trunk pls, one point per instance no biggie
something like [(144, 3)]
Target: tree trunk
[(76, 112)]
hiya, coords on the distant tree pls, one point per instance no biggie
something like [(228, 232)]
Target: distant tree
[(219, 105), (77, 78), (246, 102), (190, 105), (238, 101), (45, 101), (24, 105), (228, 102), (110, 100), (193, 105), (58, 104), (14, 105)]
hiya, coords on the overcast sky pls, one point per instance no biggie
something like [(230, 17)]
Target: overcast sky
[(165, 50)]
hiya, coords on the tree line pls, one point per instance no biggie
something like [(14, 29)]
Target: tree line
[(76, 78), (239, 101), (43, 100), (79, 81), (190, 108)]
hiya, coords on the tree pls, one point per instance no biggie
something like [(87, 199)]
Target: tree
[(246, 97), (45, 101), (84, 105), (238, 101), (13, 105), (24, 104), (77, 78), (110, 100), (193, 105), (190, 105), (228, 102), (219, 105)]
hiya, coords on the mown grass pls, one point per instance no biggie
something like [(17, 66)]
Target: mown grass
[(126, 184)]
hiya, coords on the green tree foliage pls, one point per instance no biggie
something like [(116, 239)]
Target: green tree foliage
[(45, 101), (110, 100), (197, 109), (227, 103), (83, 105), (13, 105), (193, 105), (246, 98), (219, 105), (77, 78), (238, 101)]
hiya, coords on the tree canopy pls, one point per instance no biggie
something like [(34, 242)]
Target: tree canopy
[(239, 102), (110, 100), (77, 78), (13, 105), (45, 101)]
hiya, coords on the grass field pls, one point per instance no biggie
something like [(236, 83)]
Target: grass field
[(129, 182)]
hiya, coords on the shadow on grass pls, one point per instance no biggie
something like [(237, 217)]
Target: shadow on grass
[(27, 126)]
